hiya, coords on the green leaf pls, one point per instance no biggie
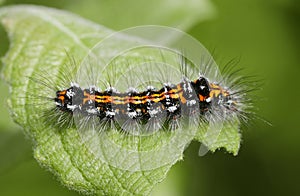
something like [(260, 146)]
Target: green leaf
[(227, 137), (6, 123), (39, 38)]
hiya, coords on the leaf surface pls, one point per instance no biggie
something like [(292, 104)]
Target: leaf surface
[(39, 38)]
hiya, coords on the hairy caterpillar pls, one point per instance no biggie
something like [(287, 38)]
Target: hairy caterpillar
[(134, 100), (109, 105)]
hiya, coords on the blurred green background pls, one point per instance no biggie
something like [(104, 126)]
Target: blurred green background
[(263, 33)]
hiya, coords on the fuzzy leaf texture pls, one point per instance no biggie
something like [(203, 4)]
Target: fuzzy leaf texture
[(39, 38)]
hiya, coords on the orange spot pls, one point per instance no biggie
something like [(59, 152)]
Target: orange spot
[(182, 99), (201, 98), (62, 99), (62, 92)]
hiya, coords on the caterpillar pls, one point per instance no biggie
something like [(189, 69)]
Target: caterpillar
[(110, 104), (144, 89)]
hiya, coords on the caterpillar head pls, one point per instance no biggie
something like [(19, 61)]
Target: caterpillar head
[(213, 95), (65, 100)]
